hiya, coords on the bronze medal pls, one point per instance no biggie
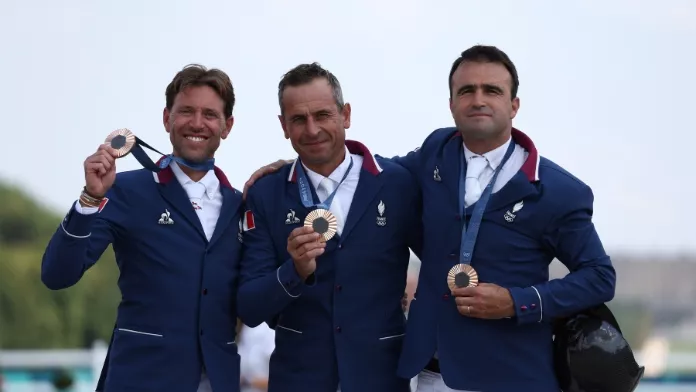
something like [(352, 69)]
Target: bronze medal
[(323, 222), (121, 140), (462, 275)]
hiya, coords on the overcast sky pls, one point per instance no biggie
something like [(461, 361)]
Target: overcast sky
[(607, 88)]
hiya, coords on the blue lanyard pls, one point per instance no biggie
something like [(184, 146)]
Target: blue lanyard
[(306, 194), (469, 234), (147, 163)]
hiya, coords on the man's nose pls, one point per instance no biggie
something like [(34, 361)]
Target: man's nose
[(478, 100), (312, 127), (197, 120)]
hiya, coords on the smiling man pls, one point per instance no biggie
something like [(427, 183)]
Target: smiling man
[(335, 300), (174, 234)]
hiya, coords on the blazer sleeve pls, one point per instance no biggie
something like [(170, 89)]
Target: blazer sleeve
[(81, 239), (267, 284), (592, 279), (410, 161), (413, 161)]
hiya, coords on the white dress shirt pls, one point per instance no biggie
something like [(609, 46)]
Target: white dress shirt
[(495, 157), (204, 195), (340, 206)]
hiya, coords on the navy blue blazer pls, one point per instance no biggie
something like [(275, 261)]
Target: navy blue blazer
[(551, 218), (178, 308), (345, 323)]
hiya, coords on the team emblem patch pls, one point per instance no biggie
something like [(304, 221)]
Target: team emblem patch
[(248, 221)]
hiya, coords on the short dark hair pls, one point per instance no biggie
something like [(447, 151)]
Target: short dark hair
[(487, 54), (198, 75), (306, 73)]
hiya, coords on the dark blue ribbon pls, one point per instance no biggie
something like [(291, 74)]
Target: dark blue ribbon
[(469, 234), (305, 192), (147, 162)]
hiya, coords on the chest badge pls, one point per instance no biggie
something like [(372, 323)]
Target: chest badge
[(436, 174), (381, 219), (290, 218), (165, 218), (510, 216)]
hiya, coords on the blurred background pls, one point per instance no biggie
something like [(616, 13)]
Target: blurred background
[(606, 88)]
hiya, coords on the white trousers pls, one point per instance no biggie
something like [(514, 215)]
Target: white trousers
[(432, 382)]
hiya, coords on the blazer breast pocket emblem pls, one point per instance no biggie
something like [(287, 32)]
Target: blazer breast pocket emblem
[(511, 215), (381, 219), (165, 218), (290, 218)]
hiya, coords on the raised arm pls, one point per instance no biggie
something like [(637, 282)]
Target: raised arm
[(89, 227)]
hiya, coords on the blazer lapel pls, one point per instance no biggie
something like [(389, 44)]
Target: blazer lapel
[(230, 206), (292, 193), (514, 191), (174, 193), (368, 187)]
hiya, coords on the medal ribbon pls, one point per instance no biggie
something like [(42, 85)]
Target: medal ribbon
[(306, 195), (147, 163), (469, 235)]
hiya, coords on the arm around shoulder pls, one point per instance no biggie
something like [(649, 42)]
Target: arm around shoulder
[(267, 284), (574, 241), (80, 240)]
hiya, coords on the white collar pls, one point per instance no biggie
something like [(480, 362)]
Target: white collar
[(494, 157), (209, 181), (336, 175)]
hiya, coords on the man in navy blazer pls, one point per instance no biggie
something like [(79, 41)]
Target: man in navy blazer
[(484, 183), (175, 233), (335, 304), (497, 211)]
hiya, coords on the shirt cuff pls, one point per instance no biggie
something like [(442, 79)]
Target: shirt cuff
[(85, 210), (528, 305), (76, 224)]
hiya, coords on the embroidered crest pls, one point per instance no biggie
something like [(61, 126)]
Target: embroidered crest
[(291, 218), (510, 216), (381, 219), (165, 218)]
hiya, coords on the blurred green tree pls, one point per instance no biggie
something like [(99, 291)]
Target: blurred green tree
[(31, 315)]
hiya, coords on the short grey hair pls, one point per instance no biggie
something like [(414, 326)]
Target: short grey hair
[(306, 73)]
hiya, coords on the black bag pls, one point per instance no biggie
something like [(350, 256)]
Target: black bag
[(591, 354)]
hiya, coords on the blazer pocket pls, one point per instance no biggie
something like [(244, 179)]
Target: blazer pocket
[(391, 337), (136, 332), (289, 329)]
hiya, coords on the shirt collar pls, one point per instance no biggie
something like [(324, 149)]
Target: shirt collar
[(336, 175), (209, 181), (494, 157)]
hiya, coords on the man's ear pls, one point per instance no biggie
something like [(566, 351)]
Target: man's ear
[(165, 119), (228, 127), (346, 115)]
